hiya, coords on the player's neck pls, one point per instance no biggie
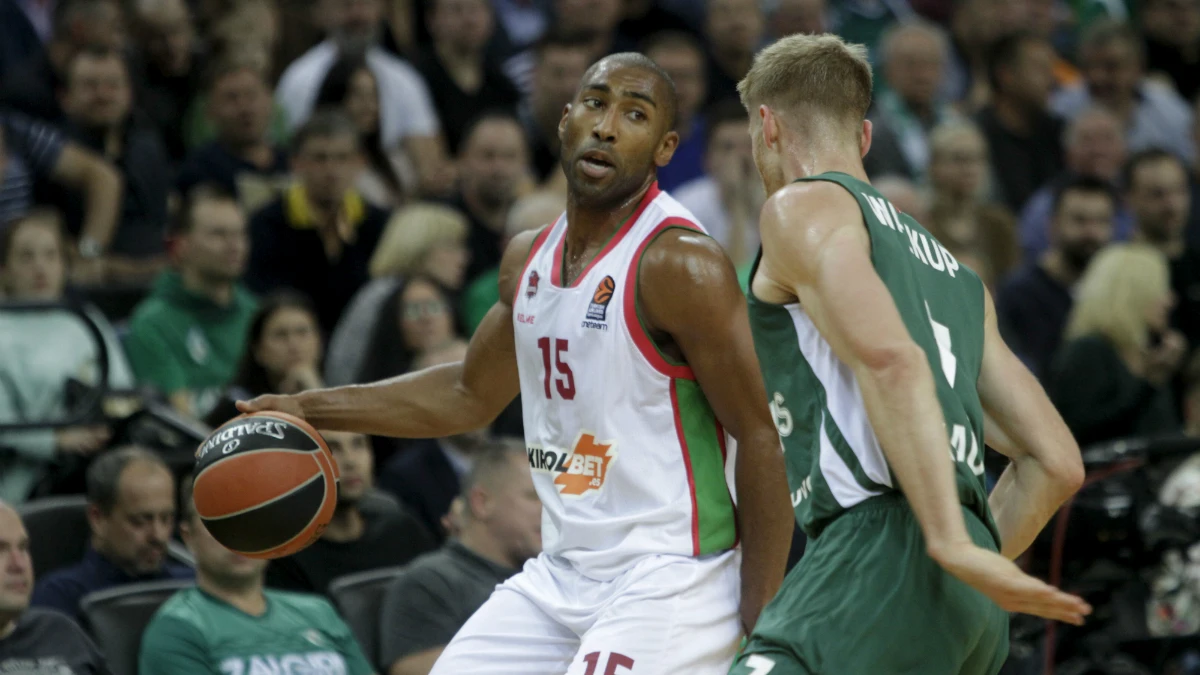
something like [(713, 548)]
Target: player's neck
[(588, 226), (797, 166)]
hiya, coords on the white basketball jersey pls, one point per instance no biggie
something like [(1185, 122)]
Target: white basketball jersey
[(627, 456)]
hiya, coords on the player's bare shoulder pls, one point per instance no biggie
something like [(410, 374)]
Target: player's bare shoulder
[(798, 222), (513, 262), (683, 274)]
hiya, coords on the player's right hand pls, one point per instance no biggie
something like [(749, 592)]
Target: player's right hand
[(272, 403), (1001, 580)]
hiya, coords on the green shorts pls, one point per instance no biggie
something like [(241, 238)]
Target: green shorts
[(866, 599)]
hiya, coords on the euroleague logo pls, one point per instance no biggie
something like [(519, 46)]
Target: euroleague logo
[(597, 310)]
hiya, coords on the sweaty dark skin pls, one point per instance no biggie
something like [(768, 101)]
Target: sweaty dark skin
[(615, 134)]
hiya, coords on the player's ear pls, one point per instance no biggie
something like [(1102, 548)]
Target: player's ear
[(666, 149), (562, 122), (864, 142), (770, 126)]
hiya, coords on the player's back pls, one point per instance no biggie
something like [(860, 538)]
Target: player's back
[(833, 454), (627, 456)]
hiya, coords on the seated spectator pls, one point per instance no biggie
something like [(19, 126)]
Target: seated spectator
[(592, 23), (1024, 137), (1113, 61), (416, 318), (361, 535), (230, 623), (247, 29), (1172, 33), (1033, 304), (728, 199), (318, 237), (241, 160), (33, 86), (1095, 148), (734, 30), (131, 511), (98, 101), (40, 353), (559, 62), (976, 26), (282, 355), (493, 166), (31, 152), (641, 19), (186, 338), (1156, 189), (1193, 226), (387, 178), (682, 56), (169, 66), (914, 59), (428, 474), (809, 17), (455, 66), (977, 232), (406, 112), (501, 528), (35, 636), (531, 212), (420, 240), (1111, 377)]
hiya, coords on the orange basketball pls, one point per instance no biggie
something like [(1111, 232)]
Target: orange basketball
[(604, 291), (266, 484)]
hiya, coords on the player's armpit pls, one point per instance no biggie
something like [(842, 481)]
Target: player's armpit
[(688, 289)]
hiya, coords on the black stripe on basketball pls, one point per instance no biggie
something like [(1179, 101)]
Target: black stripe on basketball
[(252, 433), (272, 524)]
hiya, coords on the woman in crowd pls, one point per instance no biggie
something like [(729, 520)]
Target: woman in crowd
[(388, 178), (40, 353), (421, 239), (283, 354), (980, 233), (1111, 378)]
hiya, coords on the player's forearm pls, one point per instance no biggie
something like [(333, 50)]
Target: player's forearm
[(1023, 501), (764, 519), (901, 402), (430, 403)]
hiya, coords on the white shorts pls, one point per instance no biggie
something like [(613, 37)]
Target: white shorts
[(665, 616)]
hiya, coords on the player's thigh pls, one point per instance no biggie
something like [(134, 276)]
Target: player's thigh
[(509, 635), (681, 618), (769, 663)]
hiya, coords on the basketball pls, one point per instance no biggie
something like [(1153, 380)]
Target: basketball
[(604, 291), (266, 484)]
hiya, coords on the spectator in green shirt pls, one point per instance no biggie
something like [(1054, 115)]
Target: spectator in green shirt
[(528, 213), (186, 338), (228, 624)]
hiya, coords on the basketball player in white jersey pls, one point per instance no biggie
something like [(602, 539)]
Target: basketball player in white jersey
[(624, 330)]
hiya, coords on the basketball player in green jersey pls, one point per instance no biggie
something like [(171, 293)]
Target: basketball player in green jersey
[(883, 366)]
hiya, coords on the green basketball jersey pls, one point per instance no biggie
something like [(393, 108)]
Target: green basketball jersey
[(195, 633), (833, 456)]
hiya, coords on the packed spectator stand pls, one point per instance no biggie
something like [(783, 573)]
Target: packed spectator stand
[(202, 201)]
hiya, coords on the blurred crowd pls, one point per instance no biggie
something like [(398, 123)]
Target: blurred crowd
[(268, 196)]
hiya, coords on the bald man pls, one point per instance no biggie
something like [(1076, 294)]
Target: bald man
[(50, 639)]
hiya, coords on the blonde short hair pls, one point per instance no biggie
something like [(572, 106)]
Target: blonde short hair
[(411, 233), (1121, 281), (803, 76)]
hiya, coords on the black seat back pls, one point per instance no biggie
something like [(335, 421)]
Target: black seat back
[(359, 598), (117, 617)]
